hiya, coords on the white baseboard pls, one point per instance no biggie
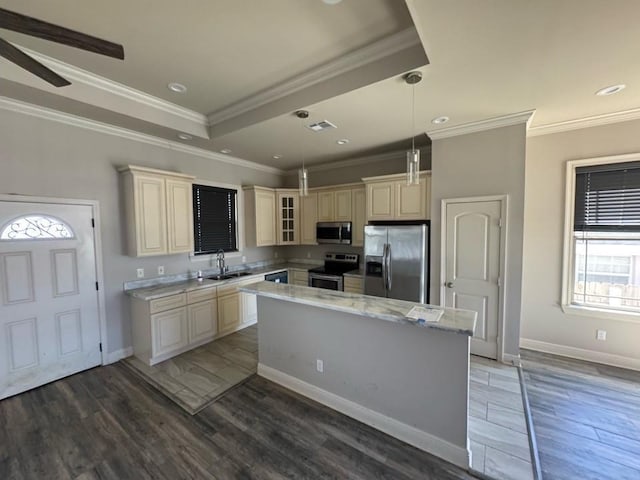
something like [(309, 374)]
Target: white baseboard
[(113, 357), (581, 354), (510, 359), (424, 441)]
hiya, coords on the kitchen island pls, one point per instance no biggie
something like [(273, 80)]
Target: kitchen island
[(362, 356)]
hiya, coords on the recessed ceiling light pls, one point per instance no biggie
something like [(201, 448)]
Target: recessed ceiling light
[(343, 141), (331, 2), (439, 120), (225, 151), (177, 87), (184, 136), (611, 90), (276, 157)]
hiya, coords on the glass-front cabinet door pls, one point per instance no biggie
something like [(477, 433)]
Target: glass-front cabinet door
[(288, 217)]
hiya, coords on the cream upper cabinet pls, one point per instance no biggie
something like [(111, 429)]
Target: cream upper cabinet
[(334, 205), (308, 218), (288, 211), (390, 198), (159, 211), (326, 207), (380, 201), (260, 216), (358, 216), (179, 215), (342, 206)]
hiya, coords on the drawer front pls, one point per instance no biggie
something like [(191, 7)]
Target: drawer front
[(228, 289), (167, 303), (201, 295), (300, 276)]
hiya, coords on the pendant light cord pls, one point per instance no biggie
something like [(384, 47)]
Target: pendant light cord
[(413, 118)]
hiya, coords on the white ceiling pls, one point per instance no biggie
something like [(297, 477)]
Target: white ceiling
[(486, 59)]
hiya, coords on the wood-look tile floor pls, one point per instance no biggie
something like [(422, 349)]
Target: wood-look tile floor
[(196, 378), (586, 417), (497, 428), (107, 424)]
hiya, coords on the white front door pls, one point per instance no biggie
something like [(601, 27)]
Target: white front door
[(49, 325), (472, 267)]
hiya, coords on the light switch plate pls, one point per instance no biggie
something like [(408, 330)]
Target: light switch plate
[(161, 270), (140, 272)]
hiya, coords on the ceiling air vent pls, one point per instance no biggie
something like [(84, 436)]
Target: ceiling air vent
[(320, 126)]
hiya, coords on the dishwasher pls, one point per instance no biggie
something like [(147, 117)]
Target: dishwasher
[(278, 277)]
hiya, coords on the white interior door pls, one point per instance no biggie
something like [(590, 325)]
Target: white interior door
[(472, 267), (49, 324)]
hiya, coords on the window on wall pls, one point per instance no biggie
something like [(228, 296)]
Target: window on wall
[(606, 237), (214, 219)]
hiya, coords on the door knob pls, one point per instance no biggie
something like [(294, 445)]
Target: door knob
[(449, 284)]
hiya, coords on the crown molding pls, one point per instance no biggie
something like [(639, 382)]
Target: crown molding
[(586, 122), (103, 84), (375, 51), (482, 125), (76, 121)]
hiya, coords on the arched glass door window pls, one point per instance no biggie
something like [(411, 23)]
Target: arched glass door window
[(36, 227)]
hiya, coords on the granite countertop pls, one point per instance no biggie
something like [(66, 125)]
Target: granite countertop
[(392, 310), (355, 273), (164, 290)]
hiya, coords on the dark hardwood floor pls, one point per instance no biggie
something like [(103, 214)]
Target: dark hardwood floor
[(108, 424), (586, 418)]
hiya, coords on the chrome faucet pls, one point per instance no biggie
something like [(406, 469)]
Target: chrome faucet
[(220, 261)]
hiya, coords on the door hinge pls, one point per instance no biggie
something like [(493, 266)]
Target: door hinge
[(93, 223), (499, 223), (97, 286), (499, 282), (100, 346)]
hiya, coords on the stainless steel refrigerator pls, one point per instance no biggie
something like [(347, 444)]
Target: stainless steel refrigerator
[(397, 262)]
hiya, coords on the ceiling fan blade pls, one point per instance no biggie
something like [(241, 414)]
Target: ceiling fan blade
[(38, 28), (23, 60)]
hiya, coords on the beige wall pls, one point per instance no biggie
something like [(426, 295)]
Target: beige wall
[(319, 177), (542, 318), (45, 158), (484, 163)]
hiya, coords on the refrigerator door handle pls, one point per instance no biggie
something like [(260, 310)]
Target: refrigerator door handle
[(384, 266), (389, 266)]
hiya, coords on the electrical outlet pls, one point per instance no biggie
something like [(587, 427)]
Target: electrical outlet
[(275, 255), (601, 335), (140, 272), (319, 365), (308, 254), (161, 270), (244, 259)]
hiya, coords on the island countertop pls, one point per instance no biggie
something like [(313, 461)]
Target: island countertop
[(392, 310)]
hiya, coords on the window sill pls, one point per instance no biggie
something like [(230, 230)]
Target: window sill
[(601, 313)]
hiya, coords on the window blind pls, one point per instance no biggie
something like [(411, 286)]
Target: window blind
[(214, 219), (608, 198)]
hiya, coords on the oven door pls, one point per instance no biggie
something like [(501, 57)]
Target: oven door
[(329, 282)]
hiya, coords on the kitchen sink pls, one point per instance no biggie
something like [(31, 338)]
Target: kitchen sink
[(229, 276)]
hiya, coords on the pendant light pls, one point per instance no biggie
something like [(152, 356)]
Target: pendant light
[(413, 155), (303, 174)]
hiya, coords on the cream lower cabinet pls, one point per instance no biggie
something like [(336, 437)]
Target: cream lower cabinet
[(353, 284), (236, 309), (159, 211), (299, 277), (229, 312), (390, 198), (167, 326)]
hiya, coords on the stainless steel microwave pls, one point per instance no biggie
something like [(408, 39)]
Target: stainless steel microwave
[(333, 232)]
